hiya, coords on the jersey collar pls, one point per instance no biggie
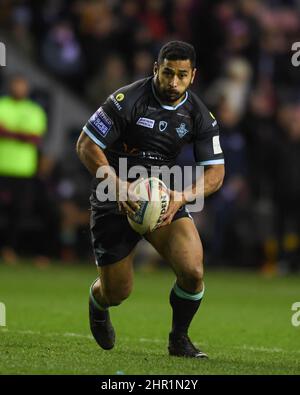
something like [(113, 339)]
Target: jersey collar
[(170, 108)]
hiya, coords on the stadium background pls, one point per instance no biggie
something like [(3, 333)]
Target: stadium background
[(75, 53)]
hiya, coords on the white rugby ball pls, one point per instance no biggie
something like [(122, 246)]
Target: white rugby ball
[(154, 202)]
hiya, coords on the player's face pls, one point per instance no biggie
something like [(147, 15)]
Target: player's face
[(172, 79)]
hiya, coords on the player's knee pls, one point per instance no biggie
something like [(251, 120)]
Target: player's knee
[(192, 279), (116, 297)]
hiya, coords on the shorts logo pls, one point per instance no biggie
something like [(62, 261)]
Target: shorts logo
[(181, 131), (101, 122), (146, 122), (120, 96), (162, 126)]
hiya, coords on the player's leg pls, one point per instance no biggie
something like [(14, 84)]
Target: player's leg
[(113, 243), (180, 245), (113, 285)]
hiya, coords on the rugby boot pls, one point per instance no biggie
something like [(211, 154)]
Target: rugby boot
[(181, 346), (101, 326)]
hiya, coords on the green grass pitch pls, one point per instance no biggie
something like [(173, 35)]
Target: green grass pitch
[(244, 324)]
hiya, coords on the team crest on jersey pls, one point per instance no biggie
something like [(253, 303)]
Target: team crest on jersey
[(162, 126), (181, 131)]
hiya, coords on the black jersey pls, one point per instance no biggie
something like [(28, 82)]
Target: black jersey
[(134, 124)]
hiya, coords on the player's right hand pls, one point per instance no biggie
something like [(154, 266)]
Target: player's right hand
[(127, 201)]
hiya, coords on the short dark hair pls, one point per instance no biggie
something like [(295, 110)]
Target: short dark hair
[(177, 50)]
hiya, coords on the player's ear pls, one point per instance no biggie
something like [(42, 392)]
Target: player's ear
[(155, 68), (193, 75)]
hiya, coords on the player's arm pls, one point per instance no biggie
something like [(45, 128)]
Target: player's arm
[(100, 132), (90, 154), (213, 180), (94, 158), (208, 153)]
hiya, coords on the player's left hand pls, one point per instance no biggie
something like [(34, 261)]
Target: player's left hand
[(176, 201)]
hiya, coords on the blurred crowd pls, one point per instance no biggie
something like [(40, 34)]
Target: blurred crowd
[(245, 76)]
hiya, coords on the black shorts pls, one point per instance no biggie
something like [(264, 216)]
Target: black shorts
[(112, 236)]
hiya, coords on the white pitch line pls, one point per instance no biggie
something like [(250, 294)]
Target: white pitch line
[(245, 347), (264, 349), (69, 334), (49, 334)]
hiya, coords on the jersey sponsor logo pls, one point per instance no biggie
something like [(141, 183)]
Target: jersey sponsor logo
[(120, 96), (146, 122), (182, 130), (216, 145), (116, 103), (162, 126), (101, 122)]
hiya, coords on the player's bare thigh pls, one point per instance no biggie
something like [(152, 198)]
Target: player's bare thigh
[(116, 280), (180, 245)]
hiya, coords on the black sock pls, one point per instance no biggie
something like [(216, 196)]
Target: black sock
[(183, 312)]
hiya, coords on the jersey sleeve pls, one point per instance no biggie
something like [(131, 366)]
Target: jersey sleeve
[(207, 148), (106, 124)]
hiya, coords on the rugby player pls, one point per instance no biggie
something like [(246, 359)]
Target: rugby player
[(148, 122)]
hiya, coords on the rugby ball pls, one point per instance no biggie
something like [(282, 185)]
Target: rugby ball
[(154, 202)]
